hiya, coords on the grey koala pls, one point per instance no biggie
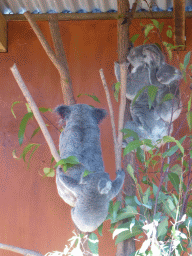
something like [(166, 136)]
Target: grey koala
[(90, 195), (145, 117), (139, 75), (158, 131), (138, 57), (166, 78)]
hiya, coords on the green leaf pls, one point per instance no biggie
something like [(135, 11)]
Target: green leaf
[(189, 105), (43, 110), (161, 26), (134, 38), (181, 65), (170, 27), (187, 59), (169, 207), (100, 229), (174, 178), (169, 33), (49, 172), (28, 107), (162, 229), (93, 243), (35, 132), (136, 230), (148, 28), (27, 149), (140, 155), (69, 160), (22, 127), (171, 139), (117, 89), (14, 103), (132, 145), (116, 206), (86, 172), (139, 93), (173, 149), (130, 133), (155, 22), (152, 91), (146, 196), (130, 200), (168, 96), (89, 95), (33, 151), (189, 119), (131, 172)]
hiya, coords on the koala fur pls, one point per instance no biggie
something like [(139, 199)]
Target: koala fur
[(139, 60), (90, 195)]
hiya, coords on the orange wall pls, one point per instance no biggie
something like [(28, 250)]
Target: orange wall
[(32, 214)]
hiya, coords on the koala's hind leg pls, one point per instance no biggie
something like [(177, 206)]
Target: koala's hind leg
[(67, 187), (117, 184)]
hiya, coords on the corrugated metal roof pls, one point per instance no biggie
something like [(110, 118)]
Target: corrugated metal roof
[(80, 6)]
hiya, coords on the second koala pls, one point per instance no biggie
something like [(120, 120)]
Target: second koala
[(90, 195)]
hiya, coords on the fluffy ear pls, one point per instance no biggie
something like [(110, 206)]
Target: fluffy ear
[(99, 114), (63, 111), (104, 186)]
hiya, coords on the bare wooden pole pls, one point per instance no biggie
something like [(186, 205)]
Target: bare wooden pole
[(21, 251), (35, 111), (66, 87), (179, 20), (126, 247)]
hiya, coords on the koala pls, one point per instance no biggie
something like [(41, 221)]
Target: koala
[(138, 58), (166, 78), (139, 75), (90, 195), (158, 131)]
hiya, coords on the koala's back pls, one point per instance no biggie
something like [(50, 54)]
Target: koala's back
[(81, 138)]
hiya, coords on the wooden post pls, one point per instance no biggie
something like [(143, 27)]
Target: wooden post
[(179, 21), (3, 34), (123, 22)]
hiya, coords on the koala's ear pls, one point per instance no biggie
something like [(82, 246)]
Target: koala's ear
[(104, 186), (99, 114), (63, 111)]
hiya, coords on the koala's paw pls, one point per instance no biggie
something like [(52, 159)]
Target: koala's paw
[(120, 173)]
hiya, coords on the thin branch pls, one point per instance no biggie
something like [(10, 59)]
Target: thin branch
[(111, 113), (22, 251), (36, 113), (67, 90), (123, 72)]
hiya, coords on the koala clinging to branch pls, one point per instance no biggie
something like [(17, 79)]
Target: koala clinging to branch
[(90, 195), (145, 117), (139, 76), (166, 78)]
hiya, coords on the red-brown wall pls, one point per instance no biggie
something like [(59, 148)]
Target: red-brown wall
[(32, 214)]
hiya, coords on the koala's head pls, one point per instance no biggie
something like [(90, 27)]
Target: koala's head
[(81, 112), (135, 56), (145, 54), (92, 204), (153, 56), (167, 74)]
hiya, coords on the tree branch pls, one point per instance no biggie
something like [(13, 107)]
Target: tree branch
[(36, 113), (66, 88), (111, 114), (22, 251)]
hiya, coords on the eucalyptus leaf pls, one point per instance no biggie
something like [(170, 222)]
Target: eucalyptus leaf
[(14, 103), (148, 28), (134, 38), (22, 127), (93, 243), (155, 22), (175, 181), (132, 145), (187, 59), (152, 91)]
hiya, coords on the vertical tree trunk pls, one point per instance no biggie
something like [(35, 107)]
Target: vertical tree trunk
[(128, 246)]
